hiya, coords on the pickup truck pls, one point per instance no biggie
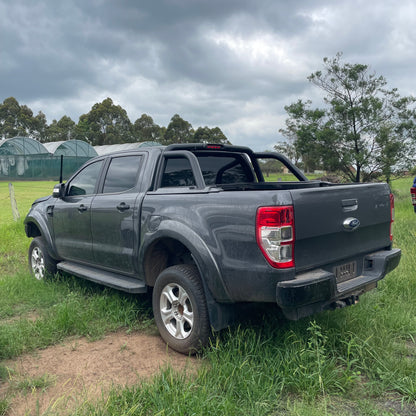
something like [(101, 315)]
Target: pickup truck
[(199, 227)]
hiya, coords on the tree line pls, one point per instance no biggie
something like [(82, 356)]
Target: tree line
[(362, 131), (106, 123)]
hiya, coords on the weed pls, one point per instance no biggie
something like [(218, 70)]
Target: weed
[(31, 384), (4, 406), (4, 373)]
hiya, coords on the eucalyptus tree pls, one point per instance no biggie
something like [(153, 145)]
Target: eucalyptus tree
[(145, 129), (210, 135), (363, 129), (18, 120), (105, 123), (179, 131), (64, 129)]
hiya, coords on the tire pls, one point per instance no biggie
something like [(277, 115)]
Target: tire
[(40, 262), (180, 309)]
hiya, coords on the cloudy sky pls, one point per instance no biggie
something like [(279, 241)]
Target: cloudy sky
[(230, 63)]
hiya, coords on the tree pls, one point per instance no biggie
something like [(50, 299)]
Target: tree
[(145, 129), (178, 131), (18, 120), (106, 123), (364, 130), (289, 150), (39, 128), (15, 120), (270, 165), (64, 129), (207, 135)]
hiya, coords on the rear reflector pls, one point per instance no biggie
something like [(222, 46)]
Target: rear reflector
[(275, 231)]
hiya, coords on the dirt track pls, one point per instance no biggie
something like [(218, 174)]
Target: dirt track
[(80, 370)]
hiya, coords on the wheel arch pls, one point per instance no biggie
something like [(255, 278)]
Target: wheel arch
[(36, 226), (175, 243)]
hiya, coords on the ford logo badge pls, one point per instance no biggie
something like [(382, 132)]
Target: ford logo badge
[(351, 224)]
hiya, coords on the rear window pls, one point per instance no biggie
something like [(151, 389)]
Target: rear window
[(216, 169)]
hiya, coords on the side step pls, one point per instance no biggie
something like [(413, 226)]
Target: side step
[(114, 280)]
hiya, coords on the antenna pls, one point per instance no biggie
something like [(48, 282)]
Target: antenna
[(60, 172)]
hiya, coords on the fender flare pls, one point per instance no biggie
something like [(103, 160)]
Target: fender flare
[(41, 224), (219, 302), (201, 254)]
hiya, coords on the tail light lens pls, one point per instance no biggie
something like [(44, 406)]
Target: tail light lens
[(275, 231), (413, 193), (391, 216)]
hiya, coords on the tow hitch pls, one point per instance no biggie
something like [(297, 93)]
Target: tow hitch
[(342, 303)]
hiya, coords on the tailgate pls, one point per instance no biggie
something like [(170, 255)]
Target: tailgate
[(326, 229)]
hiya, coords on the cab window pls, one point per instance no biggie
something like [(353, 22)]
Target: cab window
[(85, 181), (178, 172), (122, 174)]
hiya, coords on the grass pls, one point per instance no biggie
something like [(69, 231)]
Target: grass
[(31, 384), (4, 406), (358, 360), (64, 307)]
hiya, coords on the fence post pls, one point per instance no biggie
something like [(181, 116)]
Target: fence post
[(15, 211)]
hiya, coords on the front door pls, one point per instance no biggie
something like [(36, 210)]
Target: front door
[(72, 215)]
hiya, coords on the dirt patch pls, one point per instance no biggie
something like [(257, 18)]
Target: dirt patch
[(79, 370), (30, 316)]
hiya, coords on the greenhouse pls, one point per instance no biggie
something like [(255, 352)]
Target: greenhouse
[(77, 148), (26, 158), (21, 146)]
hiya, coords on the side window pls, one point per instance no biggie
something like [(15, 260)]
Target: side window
[(122, 174), (84, 183), (274, 170), (225, 169), (178, 172)]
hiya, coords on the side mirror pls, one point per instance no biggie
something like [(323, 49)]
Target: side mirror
[(58, 190)]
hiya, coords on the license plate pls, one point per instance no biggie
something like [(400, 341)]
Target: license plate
[(346, 271)]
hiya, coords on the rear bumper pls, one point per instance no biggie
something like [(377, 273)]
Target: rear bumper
[(318, 289)]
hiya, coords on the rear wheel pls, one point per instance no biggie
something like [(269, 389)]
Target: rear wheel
[(180, 309), (40, 262)]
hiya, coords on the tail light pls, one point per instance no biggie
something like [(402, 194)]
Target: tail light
[(275, 231), (413, 193), (391, 216)]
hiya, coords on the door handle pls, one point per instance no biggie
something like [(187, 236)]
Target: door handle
[(349, 205), (82, 208), (123, 207)]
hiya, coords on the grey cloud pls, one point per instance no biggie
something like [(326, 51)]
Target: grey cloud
[(177, 56)]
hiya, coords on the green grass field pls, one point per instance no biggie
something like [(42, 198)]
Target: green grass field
[(359, 360)]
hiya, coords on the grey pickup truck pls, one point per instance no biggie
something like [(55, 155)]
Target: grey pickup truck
[(199, 226)]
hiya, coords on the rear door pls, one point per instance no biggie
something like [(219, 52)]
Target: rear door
[(115, 215)]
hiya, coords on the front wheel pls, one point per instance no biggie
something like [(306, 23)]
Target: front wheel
[(180, 309), (40, 262)]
